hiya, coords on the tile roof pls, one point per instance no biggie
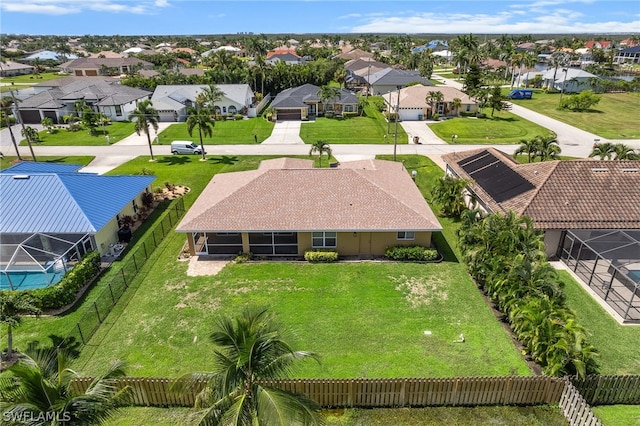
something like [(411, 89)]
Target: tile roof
[(355, 54), (370, 195), (584, 194), (301, 96), (168, 97), (107, 62), (415, 96), (392, 76)]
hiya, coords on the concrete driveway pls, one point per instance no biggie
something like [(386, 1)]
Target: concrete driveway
[(286, 132)]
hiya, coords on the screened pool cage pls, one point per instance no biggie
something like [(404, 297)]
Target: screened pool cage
[(29, 261), (608, 261)]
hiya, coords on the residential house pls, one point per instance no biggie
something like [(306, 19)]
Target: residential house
[(630, 55), (53, 214), (107, 54), (354, 54), (568, 80), (389, 79), (557, 195), (173, 101), (288, 58), (303, 102), (413, 104), (11, 69), (359, 69), (588, 210), (232, 50), (48, 55), (287, 207), (56, 98), (91, 67), (599, 44)]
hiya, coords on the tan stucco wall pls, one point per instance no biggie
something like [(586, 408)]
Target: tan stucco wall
[(364, 243), (106, 236), (551, 241)]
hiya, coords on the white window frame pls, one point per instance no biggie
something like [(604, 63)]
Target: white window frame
[(324, 236), (406, 235)]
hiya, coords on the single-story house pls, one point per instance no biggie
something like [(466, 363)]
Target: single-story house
[(354, 54), (630, 55), (105, 96), (569, 80), (413, 103), (172, 101), (48, 55), (287, 57), (358, 209), (388, 80), (558, 195), (302, 102), (10, 69), (187, 72), (91, 67), (52, 214)]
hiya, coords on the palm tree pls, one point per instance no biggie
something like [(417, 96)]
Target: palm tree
[(548, 147), (31, 134), (625, 152), (529, 147), (433, 98), (145, 115), (448, 194), (603, 150), (13, 306), (250, 352), (456, 104), (37, 391), (200, 118), (327, 94), (208, 97), (5, 105), (320, 147)]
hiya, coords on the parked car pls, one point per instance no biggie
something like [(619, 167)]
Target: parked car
[(185, 147), (520, 94)]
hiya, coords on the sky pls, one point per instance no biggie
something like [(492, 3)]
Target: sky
[(185, 17)]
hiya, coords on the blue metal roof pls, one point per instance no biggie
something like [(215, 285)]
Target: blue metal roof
[(64, 203), (42, 167)]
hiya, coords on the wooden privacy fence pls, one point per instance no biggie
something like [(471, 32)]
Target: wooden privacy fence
[(371, 393), (575, 408), (608, 390)]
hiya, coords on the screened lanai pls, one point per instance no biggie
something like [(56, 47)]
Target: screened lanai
[(608, 261), (29, 261)]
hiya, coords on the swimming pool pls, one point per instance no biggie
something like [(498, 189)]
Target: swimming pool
[(29, 280)]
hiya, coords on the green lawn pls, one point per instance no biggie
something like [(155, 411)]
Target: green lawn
[(430, 416), (618, 415), (116, 131), (615, 117), (617, 344), (32, 78), (503, 128), (371, 128), (7, 161), (358, 316), (224, 132)]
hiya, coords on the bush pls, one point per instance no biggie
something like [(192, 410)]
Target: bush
[(321, 256), (349, 114), (238, 116), (411, 253), (64, 292), (243, 257)]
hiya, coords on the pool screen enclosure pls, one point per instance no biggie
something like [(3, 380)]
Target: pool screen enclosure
[(608, 261)]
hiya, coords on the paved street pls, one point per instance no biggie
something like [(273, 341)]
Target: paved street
[(285, 140)]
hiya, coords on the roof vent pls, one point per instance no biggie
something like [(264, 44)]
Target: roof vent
[(629, 169), (599, 169), (21, 176)]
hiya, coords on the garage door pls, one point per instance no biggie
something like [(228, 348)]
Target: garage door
[(289, 114), (30, 116)]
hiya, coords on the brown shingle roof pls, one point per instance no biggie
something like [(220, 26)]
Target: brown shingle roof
[(370, 195), (579, 194)]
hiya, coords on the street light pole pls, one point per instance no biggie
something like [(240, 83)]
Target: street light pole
[(395, 137)]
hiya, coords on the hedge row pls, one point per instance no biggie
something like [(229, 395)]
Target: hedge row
[(320, 256), (411, 253), (65, 291)]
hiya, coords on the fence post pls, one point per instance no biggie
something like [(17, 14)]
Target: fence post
[(95, 306), (124, 277), (170, 221), (80, 332), (111, 291), (135, 264)]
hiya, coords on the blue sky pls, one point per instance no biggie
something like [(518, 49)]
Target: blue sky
[(157, 17)]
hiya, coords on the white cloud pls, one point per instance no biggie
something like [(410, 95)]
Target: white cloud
[(65, 7)]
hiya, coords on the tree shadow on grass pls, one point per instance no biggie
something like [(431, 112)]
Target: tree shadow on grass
[(224, 159), (175, 160), (69, 345)]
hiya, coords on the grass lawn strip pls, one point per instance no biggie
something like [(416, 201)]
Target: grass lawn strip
[(224, 132), (614, 117), (370, 128), (435, 416), (116, 131), (389, 304), (618, 415), (503, 128)]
